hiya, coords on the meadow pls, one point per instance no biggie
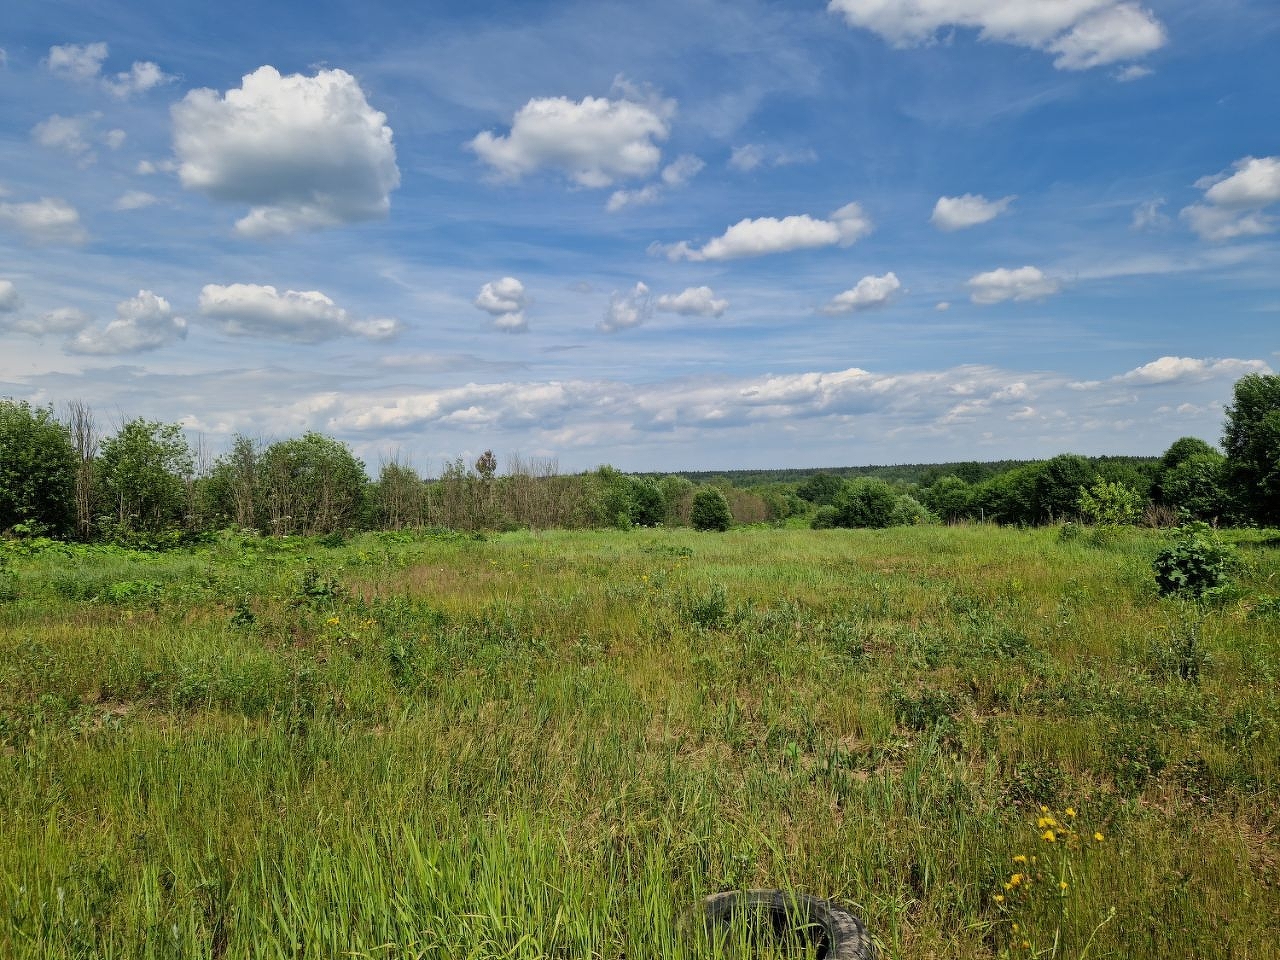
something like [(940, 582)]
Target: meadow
[(992, 741)]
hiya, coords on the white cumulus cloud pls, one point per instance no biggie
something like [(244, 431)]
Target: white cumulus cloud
[(1081, 33), (594, 142), (1024, 283), (676, 174), (969, 210), (302, 152), (693, 302), (1190, 370), (627, 310), (505, 300), (867, 293), (73, 61), (141, 77), (1255, 183), (48, 220), (1234, 204), (764, 235), (144, 322), (83, 63), (298, 316)]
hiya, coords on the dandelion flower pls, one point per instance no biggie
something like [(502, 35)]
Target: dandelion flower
[(999, 898), (1071, 811), (1049, 836), (1020, 858), (1062, 885), (1099, 837)]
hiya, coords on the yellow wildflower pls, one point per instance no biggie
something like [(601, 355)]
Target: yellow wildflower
[(999, 898), (333, 621), (1071, 812), (1049, 836), (1044, 809), (1099, 837), (1020, 858), (1062, 885)]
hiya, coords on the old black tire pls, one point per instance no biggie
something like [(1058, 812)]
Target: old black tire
[(840, 935)]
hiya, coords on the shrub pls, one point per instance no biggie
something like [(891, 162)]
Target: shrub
[(1196, 564), (710, 510), (824, 518), (866, 503), (908, 512), (1110, 504)]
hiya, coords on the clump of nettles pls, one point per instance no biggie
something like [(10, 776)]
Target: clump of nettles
[(1196, 564)]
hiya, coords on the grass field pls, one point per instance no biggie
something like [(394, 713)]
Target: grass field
[(994, 742)]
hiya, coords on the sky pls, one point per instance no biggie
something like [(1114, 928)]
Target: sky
[(671, 235)]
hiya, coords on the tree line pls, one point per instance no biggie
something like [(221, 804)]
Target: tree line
[(145, 482)]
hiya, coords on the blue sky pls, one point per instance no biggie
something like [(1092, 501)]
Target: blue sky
[(663, 236)]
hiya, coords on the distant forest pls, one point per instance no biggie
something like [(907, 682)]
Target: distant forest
[(920, 474)]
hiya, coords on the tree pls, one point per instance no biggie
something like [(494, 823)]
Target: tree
[(399, 495), (142, 473), (1009, 497), (232, 487), (820, 489), (37, 470), (1182, 449), (865, 502), (1194, 488), (710, 510), (1251, 439), (950, 498), (311, 484), (1058, 484)]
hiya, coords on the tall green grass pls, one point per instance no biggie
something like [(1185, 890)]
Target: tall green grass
[(553, 745)]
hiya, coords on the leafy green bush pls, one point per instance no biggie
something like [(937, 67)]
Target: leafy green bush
[(866, 503), (1111, 504), (824, 518), (1196, 564), (710, 510), (910, 512)]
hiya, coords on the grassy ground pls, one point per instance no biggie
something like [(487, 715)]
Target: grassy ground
[(552, 745)]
